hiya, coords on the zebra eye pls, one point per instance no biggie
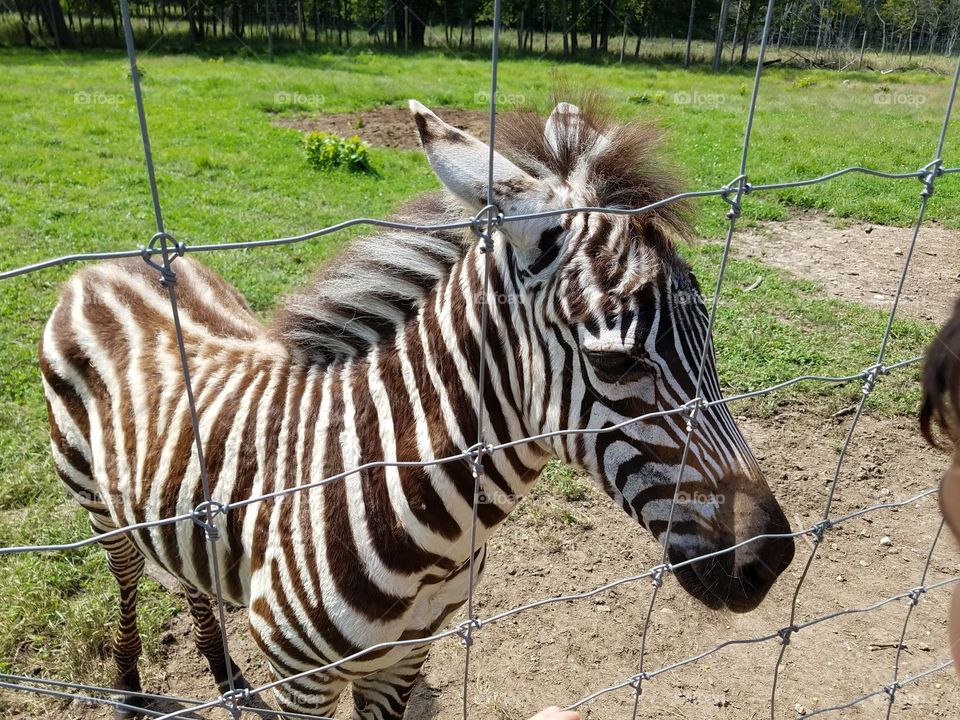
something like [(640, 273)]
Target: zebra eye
[(613, 367)]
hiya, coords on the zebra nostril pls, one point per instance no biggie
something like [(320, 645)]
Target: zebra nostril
[(756, 575)]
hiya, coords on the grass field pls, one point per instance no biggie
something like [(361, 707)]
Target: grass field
[(73, 180)]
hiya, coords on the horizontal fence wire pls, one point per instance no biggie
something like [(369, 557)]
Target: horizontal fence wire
[(163, 249), (201, 511), (151, 249)]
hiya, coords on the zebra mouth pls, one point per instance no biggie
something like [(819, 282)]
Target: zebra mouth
[(738, 580), (719, 583)]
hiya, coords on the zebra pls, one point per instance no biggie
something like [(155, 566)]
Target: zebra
[(594, 318)]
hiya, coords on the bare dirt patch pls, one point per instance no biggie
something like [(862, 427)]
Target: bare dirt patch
[(559, 653), (386, 126), (862, 261)]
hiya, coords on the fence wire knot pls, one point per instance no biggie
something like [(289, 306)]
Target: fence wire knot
[(915, 593), (657, 574), (691, 409), (483, 224), (475, 455), (927, 174), (204, 514), (465, 631), (732, 192), (820, 528), (636, 682), (168, 248), (872, 373), (233, 700), (786, 633)]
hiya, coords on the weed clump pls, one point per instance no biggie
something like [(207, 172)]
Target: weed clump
[(326, 150)]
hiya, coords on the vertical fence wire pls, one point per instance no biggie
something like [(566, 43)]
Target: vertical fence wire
[(209, 510), (914, 600), (742, 187), (486, 249), (932, 171)]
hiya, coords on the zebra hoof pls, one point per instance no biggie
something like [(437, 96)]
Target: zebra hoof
[(131, 707), (220, 675)]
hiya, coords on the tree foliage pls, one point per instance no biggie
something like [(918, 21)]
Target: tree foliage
[(567, 27)]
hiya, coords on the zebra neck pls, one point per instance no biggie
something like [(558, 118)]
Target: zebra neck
[(430, 374)]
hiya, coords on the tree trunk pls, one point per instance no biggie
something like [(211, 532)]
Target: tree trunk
[(736, 31), (686, 56), (416, 24), (747, 29), (269, 31), (563, 24), (52, 14), (594, 28), (301, 26), (575, 9), (195, 31), (605, 19), (93, 27), (24, 23), (546, 42), (718, 46), (623, 39), (389, 22)]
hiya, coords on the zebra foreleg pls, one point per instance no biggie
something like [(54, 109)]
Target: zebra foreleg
[(384, 695), (126, 564), (209, 638)]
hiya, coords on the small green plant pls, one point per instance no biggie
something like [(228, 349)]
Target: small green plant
[(326, 150), (804, 81)]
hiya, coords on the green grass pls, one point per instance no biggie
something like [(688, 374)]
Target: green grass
[(73, 180)]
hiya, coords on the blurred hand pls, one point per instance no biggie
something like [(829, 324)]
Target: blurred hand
[(555, 713)]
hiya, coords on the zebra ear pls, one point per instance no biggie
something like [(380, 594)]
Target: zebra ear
[(568, 132), (461, 163)]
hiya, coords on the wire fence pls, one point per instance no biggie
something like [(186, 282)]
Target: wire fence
[(163, 249)]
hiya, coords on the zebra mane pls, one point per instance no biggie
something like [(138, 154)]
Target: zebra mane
[(625, 167), (379, 281), (357, 300)]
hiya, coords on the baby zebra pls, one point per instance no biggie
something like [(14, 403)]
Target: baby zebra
[(594, 319)]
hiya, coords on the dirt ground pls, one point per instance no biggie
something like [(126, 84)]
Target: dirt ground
[(862, 262), (386, 126)]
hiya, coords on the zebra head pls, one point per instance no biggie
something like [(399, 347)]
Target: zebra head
[(611, 326)]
